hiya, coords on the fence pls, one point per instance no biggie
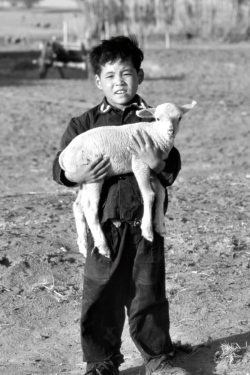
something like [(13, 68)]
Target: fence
[(206, 19)]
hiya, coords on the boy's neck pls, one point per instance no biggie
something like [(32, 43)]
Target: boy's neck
[(122, 107)]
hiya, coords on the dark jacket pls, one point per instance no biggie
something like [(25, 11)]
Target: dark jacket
[(121, 198)]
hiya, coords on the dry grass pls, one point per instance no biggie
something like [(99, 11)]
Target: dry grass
[(230, 353)]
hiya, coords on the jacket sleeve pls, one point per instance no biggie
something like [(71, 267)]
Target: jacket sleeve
[(172, 168), (76, 126)]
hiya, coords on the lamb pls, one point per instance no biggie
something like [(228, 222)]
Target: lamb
[(114, 142)]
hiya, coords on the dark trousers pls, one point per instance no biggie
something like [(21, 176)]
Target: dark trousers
[(134, 278)]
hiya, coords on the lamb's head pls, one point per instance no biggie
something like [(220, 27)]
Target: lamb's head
[(166, 112)]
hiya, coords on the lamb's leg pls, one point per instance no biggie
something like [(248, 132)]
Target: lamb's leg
[(90, 198), (142, 174), (81, 225), (159, 221)]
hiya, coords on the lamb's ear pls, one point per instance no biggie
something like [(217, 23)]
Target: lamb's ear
[(146, 112), (185, 108)]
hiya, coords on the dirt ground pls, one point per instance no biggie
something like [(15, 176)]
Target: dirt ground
[(208, 236)]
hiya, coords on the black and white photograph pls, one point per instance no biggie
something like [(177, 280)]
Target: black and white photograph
[(125, 187)]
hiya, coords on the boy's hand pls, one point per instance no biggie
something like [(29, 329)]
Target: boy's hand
[(145, 149), (89, 173)]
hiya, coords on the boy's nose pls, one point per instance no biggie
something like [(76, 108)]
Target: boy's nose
[(119, 80)]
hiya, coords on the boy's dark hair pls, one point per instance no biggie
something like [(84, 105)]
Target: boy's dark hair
[(118, 47)]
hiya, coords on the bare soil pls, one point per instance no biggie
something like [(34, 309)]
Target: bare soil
[(208, 236)]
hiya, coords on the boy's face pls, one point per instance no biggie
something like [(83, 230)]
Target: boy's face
[(119, 82)]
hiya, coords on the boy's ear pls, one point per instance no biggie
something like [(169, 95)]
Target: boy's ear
[(98, 82), (146, 113), (140, 76)]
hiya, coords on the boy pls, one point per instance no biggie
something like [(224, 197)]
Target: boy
[(134, 277)]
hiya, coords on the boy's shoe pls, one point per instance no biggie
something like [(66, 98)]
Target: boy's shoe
[(167, 367), (102, 368)]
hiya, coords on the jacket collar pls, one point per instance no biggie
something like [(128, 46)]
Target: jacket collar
[(137, 102)]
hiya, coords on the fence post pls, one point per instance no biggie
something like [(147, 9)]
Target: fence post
[(167, 39), (65, 33)]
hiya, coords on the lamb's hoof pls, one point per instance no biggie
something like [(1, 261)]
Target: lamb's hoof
[(148, 235), (104, 250), (160, 229), (149, 238)]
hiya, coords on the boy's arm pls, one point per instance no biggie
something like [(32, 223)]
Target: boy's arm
[(59, 174), (92, 172), (76, 126)]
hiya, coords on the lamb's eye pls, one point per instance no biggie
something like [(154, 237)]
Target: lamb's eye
[(180, 117), (157, 119)]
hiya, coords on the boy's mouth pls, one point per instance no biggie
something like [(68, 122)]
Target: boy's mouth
[(120, 92)]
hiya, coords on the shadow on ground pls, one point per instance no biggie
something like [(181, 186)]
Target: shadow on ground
[(201, 358)]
